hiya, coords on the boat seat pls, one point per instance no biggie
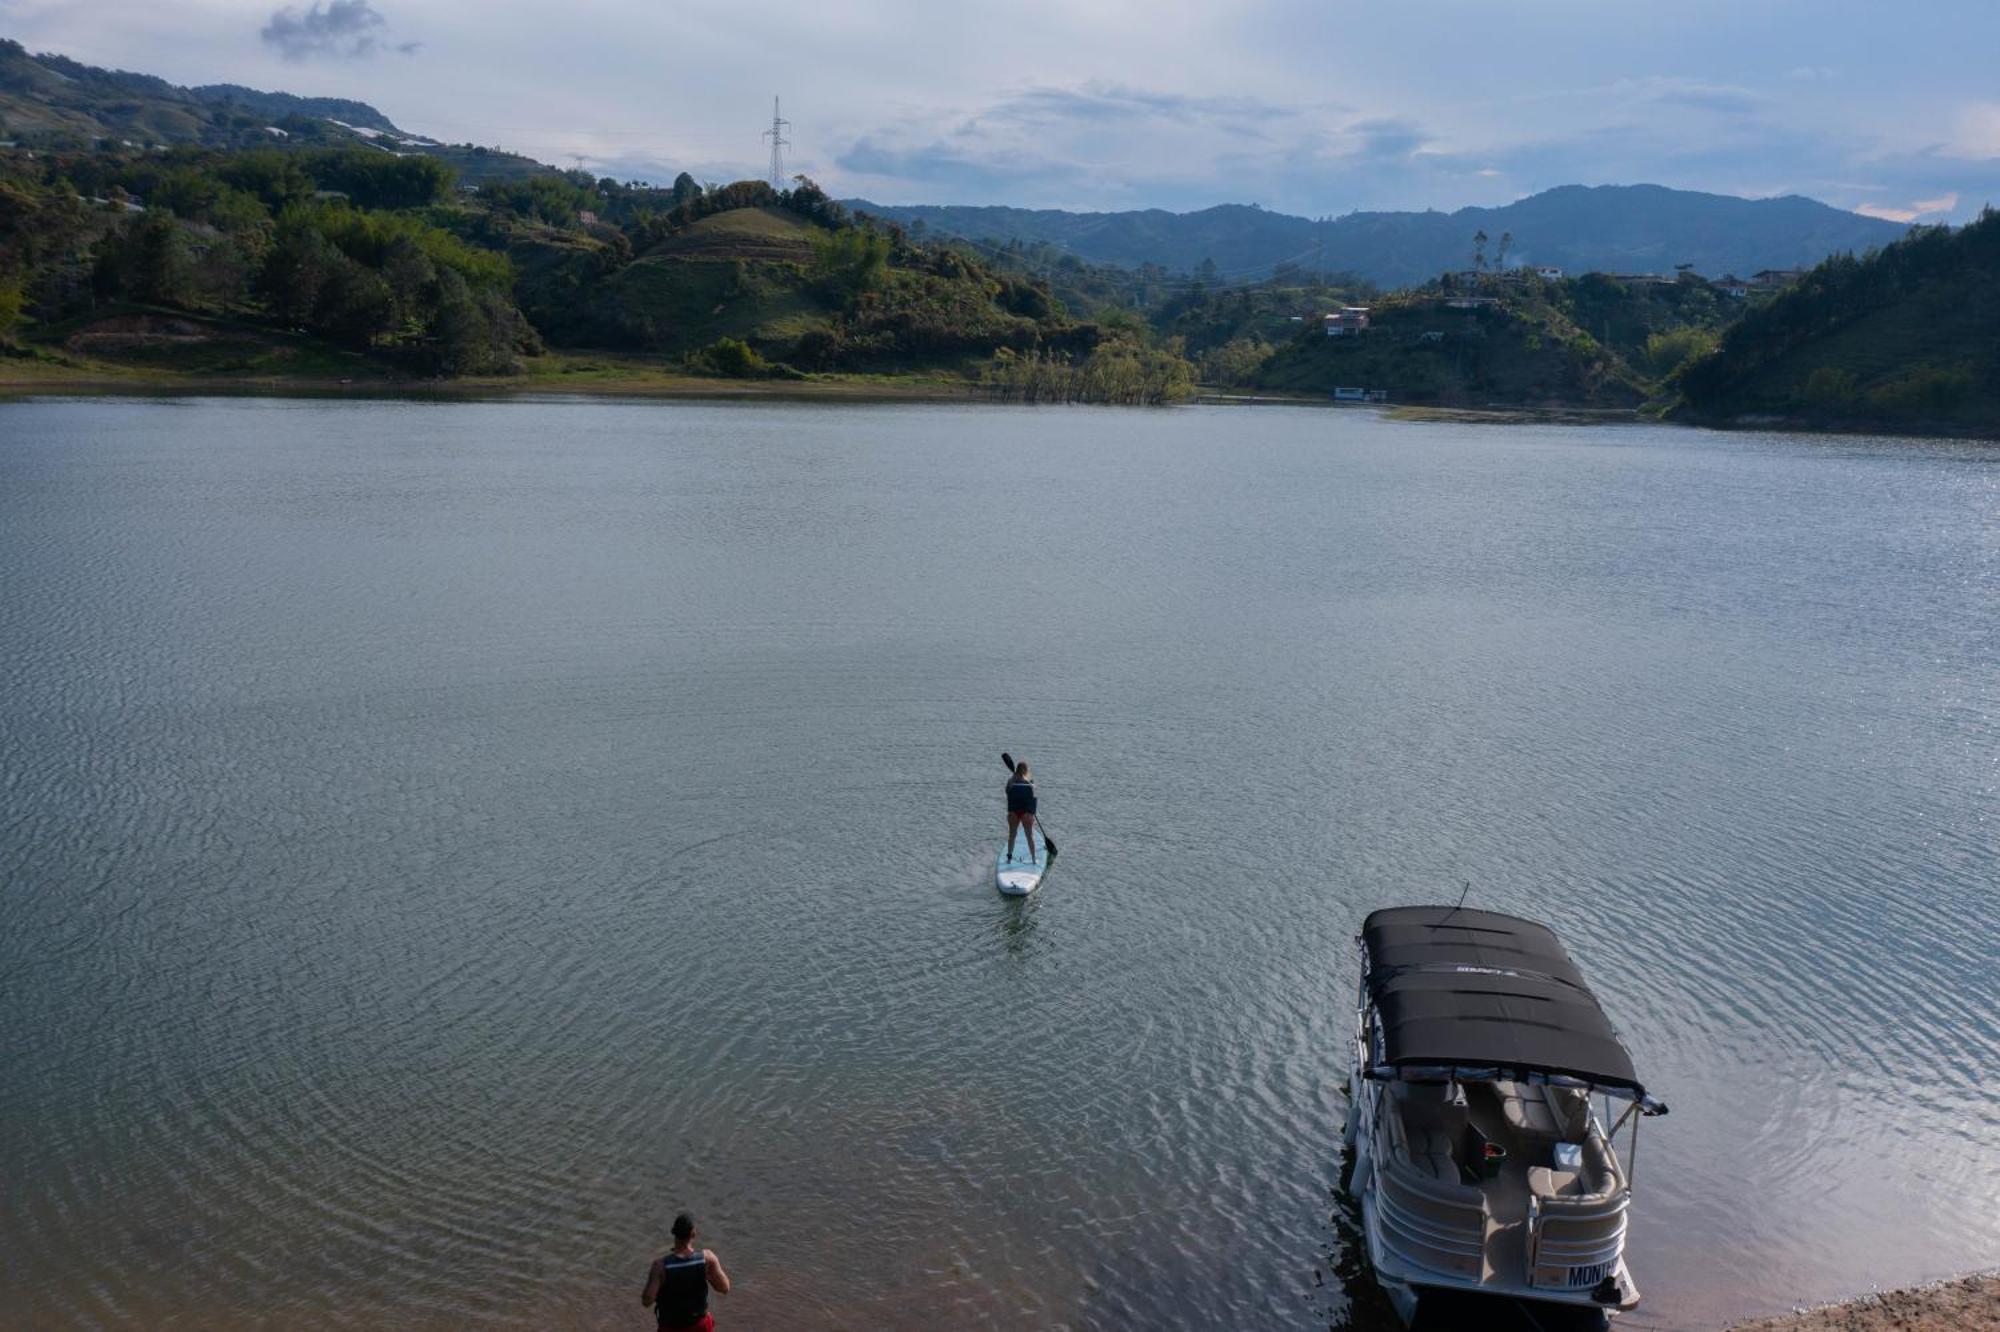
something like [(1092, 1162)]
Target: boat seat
[(1594, 1183), (1545, 1182), (1527, 1112), (1430, 1152)]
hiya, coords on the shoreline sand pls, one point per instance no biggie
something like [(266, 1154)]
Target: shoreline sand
[(1961, 1304)]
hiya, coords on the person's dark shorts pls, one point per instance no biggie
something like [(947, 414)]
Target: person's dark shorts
[(1021, 804)]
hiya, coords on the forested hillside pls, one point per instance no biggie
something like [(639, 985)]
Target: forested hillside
[(276, 261), (53, 103), (1905, 338)]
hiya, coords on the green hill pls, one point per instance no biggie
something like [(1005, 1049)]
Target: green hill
[(791, 277), (1905, 338), (1522, 352), (211, 260), (53, 102)]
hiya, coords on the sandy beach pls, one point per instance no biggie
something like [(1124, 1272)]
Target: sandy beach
[(1969, 1304)]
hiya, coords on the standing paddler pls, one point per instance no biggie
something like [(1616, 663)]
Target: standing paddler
[(1021, 808)]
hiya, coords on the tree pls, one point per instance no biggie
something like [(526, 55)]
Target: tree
[(10, 307), (475, 333), (148, 261), (686, 189), (850, 261), (1500, 255), (411, 277), (1479, 249), (299, 264), (354, 306)]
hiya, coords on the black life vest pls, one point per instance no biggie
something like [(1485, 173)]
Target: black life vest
[(683, 1289)]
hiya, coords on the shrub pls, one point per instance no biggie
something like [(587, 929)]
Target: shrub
[(729, 358), (1922, 388), (1668, 351), (1827, 387), (10, 307)]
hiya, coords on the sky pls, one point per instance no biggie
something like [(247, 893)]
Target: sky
[(1318, 108)]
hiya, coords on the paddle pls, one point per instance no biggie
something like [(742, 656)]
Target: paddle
[(1047, 841)]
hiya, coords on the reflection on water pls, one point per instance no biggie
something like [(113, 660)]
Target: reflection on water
[(1016, 923), (441, 841)]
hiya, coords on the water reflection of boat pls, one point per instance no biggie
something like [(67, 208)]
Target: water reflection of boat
[(1482, 1163)]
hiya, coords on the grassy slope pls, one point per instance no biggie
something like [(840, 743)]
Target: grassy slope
[(1503, 356), (145, 344), (740, 274)]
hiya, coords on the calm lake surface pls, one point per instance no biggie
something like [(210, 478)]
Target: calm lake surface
[(439, 841)]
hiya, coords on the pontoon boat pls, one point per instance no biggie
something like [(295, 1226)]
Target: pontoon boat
[(1481, 1161)]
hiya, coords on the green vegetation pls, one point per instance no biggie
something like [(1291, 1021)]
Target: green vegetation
[(148, 229), (1120, 370), (1523, 351), (1902, 338), (221, 260)]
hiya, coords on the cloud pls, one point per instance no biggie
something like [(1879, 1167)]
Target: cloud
[(1917, 208), (1383, 137), (1723, 99), (954, 168), (1978, 131), (1115, 145), (349, 29)]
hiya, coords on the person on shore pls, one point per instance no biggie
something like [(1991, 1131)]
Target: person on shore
[(677, 1285), (1021, 808)]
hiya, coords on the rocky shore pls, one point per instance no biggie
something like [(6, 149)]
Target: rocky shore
[(1969, 1304)]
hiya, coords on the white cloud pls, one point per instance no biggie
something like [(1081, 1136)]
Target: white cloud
[(1917, 208), (1978, 131)]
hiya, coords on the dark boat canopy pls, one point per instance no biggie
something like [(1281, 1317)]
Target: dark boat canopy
[(1477, 990)]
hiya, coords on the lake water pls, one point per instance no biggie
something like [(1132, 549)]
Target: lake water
[(440, 841)]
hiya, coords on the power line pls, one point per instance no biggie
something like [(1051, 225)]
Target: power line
[(776, 134)]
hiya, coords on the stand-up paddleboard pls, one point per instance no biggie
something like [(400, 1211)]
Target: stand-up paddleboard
[(1017, 876)]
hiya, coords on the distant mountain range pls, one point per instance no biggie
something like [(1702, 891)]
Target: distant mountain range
[(1605, 228), (58, 102), (52, 95), (53, 101)]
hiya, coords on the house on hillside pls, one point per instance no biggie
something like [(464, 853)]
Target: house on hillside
[(1551, 274), (1349, 321), (1771, 278), (1644, 279), (1470, 302), (1730, 286)]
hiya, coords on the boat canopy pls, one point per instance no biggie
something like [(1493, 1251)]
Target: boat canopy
[(1477, 993)]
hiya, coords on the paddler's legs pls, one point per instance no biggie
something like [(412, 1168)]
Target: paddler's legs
[(1028, 822), (1013, 822)]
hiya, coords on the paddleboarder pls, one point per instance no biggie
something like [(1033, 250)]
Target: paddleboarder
[(1021, 808), (677, 1285)]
